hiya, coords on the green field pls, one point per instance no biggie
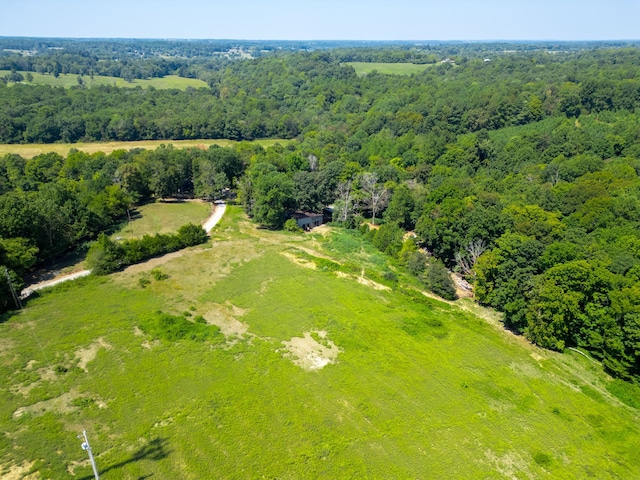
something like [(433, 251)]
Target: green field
[(418, 389), (29, 150), (163, 217), (363, 68), (70, 80)]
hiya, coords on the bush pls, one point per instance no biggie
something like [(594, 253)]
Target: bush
[(106, 256), (292, 226), (158, 274), (190, 235), (439, 281)]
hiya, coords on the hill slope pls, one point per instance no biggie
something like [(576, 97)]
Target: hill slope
[(314, 373)]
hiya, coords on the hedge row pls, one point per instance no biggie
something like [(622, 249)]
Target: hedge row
[(106, 256)]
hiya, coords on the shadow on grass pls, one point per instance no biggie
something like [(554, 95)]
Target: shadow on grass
[(154, 450)]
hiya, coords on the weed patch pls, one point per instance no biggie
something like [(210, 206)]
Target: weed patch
[(172, 328)]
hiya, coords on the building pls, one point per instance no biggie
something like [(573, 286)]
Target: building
[(308, 220)]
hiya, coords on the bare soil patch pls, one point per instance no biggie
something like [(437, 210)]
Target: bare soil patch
[(85, 355), (299, 261), (61, 404), (18, 472), (364, 281), (310, 354), (225, 318)]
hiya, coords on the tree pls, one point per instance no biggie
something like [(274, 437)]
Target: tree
[(400, 209), (344, 205), (439, 281), (273, 196), (376, 195)]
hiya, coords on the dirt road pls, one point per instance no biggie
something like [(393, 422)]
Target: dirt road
[(208, 225)]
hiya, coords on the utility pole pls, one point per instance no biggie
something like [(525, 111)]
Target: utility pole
[(85, 446), (129, 217), (16, 297)]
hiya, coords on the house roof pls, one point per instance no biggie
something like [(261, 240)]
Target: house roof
[(299, 215)]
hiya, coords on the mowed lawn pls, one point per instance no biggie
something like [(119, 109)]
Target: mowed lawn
[(419, 388), (67, 80), (364, 68), (30, 150), (163, 217)]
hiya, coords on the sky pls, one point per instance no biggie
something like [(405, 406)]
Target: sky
[(324, 20)]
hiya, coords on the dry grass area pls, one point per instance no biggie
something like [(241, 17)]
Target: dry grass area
[(29, 150)]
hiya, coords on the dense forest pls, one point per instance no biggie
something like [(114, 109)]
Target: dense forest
[(520, 170)]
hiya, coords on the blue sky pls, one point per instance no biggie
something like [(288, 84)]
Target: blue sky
[(327, 19)]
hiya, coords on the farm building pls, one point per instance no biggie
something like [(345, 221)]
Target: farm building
[(308, 220)]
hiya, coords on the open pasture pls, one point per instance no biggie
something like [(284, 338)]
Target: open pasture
[(364, 68), (29, 150), (67, 80), (317, 369), (163, 217)]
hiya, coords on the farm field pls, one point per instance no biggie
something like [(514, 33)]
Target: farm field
[(163, 217), (312, 368), (29, 150), (67, 80), (363, 68)]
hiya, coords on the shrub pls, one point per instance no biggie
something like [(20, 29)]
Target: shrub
[(106, 256), (159, 274), (190, 235), (439, 281), (292, 226)]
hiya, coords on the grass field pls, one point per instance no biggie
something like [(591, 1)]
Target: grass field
[(411, 387), (70, 80), (363, 68), (163, 217), (29, 150)]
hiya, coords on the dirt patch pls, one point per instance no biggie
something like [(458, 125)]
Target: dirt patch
[(18, 472), (155, 262), (511, 465), (315, 253), (299, 261), (364, 281), (85, 355), (24, 390), (372, 284), (225, 318), (61, 404), (309, 353), (150, 345), (264, 286)]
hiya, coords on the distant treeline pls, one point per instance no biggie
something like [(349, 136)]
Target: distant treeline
[(286, 95)]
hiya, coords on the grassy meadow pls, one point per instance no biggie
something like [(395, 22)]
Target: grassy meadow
[(162, 217), (30, 150), (411, 387), (364, 68), (68, 80)]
